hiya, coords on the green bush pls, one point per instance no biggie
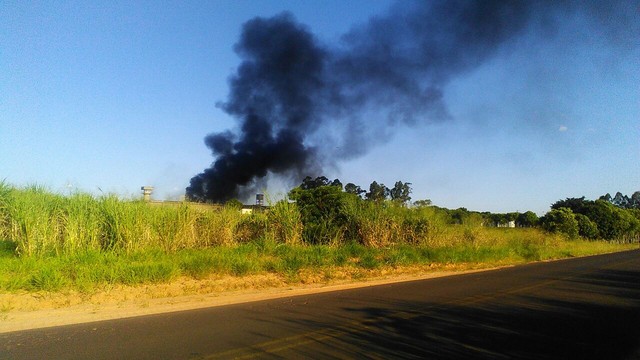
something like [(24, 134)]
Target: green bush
[(587, 228), (613, 222), (322, 212), (561, 220)]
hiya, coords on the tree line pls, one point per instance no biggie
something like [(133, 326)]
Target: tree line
[(322, 204), (608, 218), (399, 193)]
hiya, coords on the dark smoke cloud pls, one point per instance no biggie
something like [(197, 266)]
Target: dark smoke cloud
[(303, 105)]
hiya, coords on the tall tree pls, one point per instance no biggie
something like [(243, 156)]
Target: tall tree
[(606, 197), (635, 200), (587, 228), (561, 220), (527, 219), (577, 205), (620, 200), (321, 205), (422, 203), (352, 188), (310, 183), (377, 192), (401, 192)]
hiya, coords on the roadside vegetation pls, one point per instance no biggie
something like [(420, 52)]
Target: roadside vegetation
[(81, 242)]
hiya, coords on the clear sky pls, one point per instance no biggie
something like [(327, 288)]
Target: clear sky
[(107, 96)]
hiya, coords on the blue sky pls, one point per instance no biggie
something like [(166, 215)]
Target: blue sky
[(109, 96)]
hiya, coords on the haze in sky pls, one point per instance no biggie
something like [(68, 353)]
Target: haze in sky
[(478, 105)]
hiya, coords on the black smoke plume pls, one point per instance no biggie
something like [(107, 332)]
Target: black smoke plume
[(302, 105)]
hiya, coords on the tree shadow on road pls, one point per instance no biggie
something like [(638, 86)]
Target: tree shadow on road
[(591, 317)]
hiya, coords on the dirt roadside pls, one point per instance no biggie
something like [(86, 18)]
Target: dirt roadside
[(24, 311)]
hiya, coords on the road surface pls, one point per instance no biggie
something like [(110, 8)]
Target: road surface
[(587, 308)]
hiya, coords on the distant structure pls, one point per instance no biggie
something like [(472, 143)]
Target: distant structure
[(146, 192), (260, 199), (509, 224)]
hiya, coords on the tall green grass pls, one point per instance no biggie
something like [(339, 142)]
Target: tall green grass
[(42, 223), (49, 241), (94, 270)]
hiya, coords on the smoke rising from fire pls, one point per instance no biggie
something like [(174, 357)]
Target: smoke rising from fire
[(302, 105)]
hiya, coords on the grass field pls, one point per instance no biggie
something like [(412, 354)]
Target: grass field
[(50, 242)]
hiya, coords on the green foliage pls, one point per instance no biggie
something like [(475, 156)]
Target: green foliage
[(321, 211), (527, 219), (377, 192), (623, 201), (587, 228), (92, 270), (401, 192), (612, 222), (51, 242), (354, 189), (125, 226), (417, 226), (47, 278), (458, 216), (371, 224), (285, 222), (234, 204), (250, 227), (561, 220), (577, 205), (309, 183), (422, 203), (217, 227), (32, 218)]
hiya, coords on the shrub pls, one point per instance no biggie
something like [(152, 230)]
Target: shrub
[(586, 228), (561, 220), (322, 212), (527, 219)]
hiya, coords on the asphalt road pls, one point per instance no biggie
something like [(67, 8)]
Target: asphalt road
[(587, 308)]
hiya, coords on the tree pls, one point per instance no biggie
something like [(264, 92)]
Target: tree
[(587, 228), (377, 192), (606, 197), (459, 215), (527, 219), (352, 188), (309, 183), (400, 192), (321, 204), (635, 200), (561, 220), (422, 203), (621, 201), (610, 220), (234, 204), (577, 205)]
